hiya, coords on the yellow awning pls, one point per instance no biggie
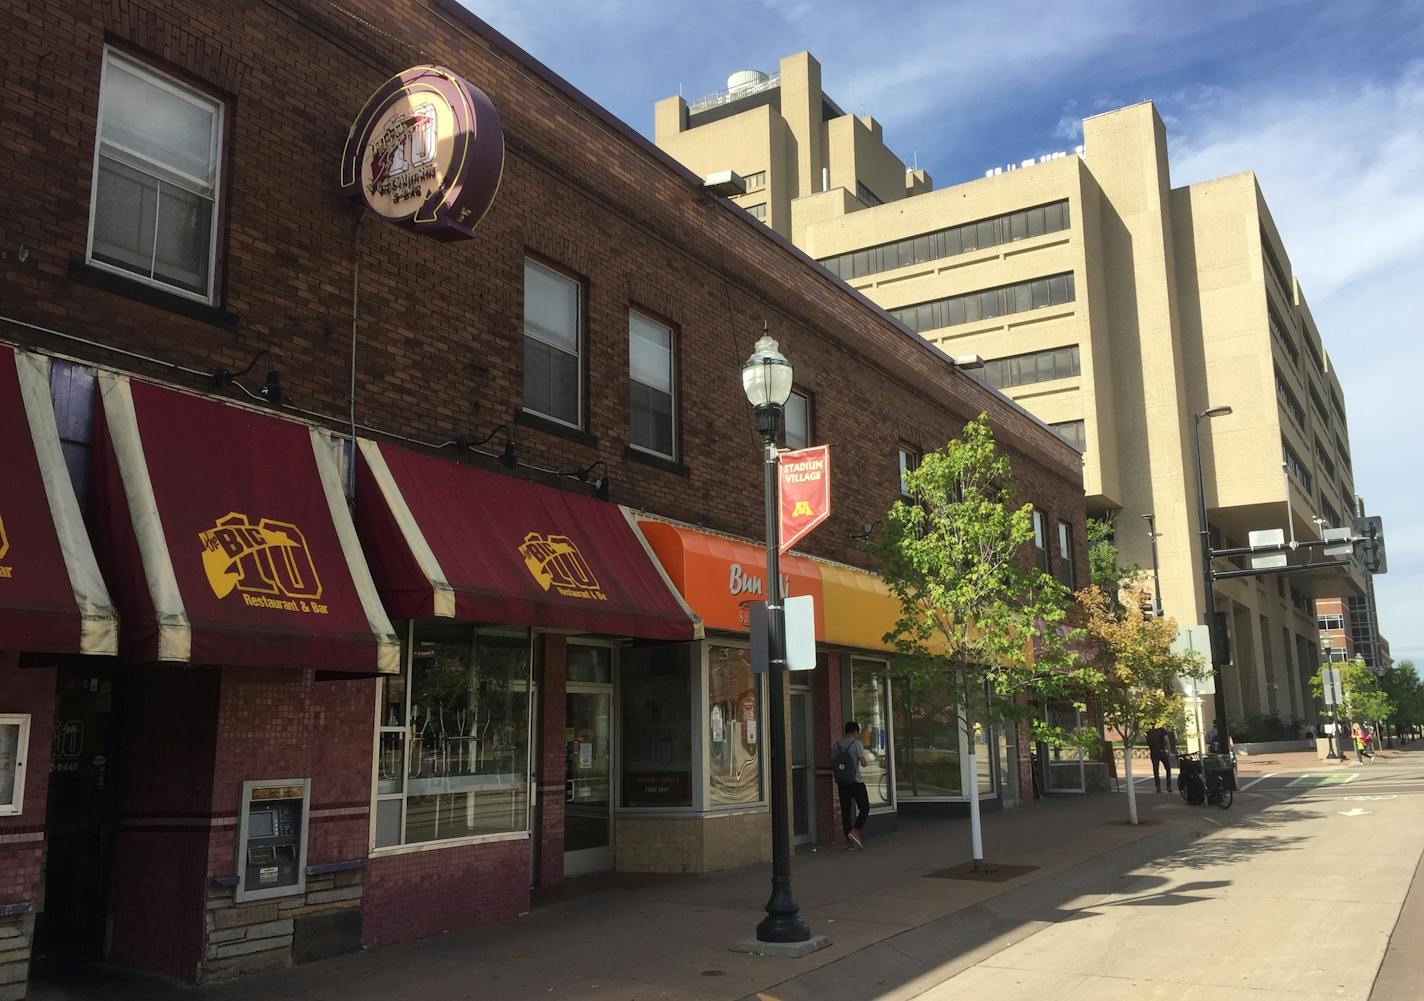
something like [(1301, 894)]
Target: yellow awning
[(859, 608)]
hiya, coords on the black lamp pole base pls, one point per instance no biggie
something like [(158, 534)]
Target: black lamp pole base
[(782, 927)]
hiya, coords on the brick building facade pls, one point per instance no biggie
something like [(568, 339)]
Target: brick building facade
[(439, 336)]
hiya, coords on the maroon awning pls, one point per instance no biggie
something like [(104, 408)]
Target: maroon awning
[(448, 540), (52, 598), (227, 539)]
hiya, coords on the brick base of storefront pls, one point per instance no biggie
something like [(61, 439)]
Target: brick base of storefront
[(691, 844), (262, 935), (422, 893), (17, 935)]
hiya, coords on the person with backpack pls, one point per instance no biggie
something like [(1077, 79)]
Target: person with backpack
[(847, 755)]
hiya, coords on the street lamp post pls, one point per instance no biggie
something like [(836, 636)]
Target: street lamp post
[(1156, 580), (767, 378), (1209, 580)]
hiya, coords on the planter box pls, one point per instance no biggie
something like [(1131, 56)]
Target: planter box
[(1273, 746)]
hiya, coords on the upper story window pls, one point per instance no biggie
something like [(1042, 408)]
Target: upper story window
[(652, 404), (153, 213), (1297, 469), (796, 421), (1073, 432), (755, 181), (758, 211), (1037, 366), (981, 234), (552, 343), (987, 304), (866, 195), (1040, 541), (909, 460), (1065, 553)]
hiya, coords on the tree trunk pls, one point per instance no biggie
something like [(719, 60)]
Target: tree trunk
[(976, 833), (1131, 789)]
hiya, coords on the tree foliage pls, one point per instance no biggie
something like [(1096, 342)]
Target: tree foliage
[(1400, 683), (976, 614), (1363, 699), (1139, 669), (1105, 571)]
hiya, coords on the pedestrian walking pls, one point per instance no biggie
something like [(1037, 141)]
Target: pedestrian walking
[(1162, 749), (1358, 733), (847, 756)]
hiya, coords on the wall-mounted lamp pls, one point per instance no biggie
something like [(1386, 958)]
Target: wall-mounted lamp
[(271, 389), (865, 532), (508, 459), (585, 475)]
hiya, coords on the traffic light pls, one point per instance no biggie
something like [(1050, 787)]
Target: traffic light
[(1370, 531)]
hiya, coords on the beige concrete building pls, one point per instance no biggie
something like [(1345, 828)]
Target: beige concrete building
[(1110, 304)]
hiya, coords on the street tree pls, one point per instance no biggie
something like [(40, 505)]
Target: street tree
[(1362, 699), (1140, 670), (978, 618), (1105, 569), (1401, 683)]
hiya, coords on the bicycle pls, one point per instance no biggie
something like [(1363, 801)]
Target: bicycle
[(1200, 785)]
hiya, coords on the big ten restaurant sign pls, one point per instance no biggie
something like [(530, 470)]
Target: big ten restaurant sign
[(426, 152)]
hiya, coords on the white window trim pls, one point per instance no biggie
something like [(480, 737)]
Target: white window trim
[(22, 748), (672, 381), (531, 796), (703, 799), (533, 330), (163, 82), (886, 684)]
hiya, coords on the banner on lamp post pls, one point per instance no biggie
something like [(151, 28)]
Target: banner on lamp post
[(804, 481)]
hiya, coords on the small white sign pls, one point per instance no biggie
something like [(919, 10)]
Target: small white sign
[(800, 613)]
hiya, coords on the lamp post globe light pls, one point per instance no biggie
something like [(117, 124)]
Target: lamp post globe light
[(1209, 580), (766, 379)]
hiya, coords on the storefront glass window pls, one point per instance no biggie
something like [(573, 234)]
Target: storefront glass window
[(868, 708), (734, 737), (459, 716), (589, 664), (656, 721), (926, 741)]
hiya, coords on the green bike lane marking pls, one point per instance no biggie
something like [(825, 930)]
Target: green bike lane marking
[(1316, 781)]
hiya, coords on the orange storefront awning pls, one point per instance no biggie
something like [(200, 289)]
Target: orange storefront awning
[(859, 608), (720, 577)]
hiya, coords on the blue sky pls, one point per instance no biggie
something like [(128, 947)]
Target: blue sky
[(1325, 101)]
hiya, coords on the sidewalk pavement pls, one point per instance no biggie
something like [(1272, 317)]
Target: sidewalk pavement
[(1104, 896)]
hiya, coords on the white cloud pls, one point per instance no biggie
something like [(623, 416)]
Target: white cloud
[(1339, 167)]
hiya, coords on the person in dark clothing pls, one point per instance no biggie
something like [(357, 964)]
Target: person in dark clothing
[(1161, 745), (847, 755)]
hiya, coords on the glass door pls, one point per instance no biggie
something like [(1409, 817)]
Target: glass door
[(803, 793), (1063, 765), (588, 779)]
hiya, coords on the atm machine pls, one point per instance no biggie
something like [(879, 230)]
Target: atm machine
[(272, 838)]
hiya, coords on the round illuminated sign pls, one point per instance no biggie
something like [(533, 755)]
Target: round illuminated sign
[(426, 152)]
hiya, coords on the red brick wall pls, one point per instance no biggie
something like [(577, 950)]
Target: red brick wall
[(160, 873), (440, 331), (828, 723), (429, 892), (284, 724), (552, 760), (27, 690)]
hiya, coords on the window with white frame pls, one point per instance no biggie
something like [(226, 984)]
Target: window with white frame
[(734, 738), (909, 460), (1040, 541), (758, 211), (14, 745), (453, 756), (870, 707), (756, 180), (1065, 553), (154, 202), (796, 432), (552, 345), (652, 402)]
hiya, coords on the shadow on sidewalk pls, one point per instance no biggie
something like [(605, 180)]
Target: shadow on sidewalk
[(667, 937)]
